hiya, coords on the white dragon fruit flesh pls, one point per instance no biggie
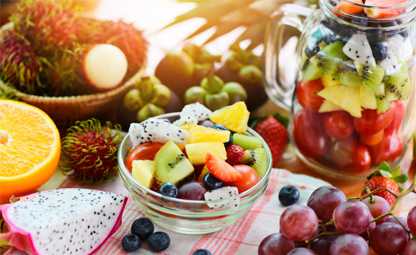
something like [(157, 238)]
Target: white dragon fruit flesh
[(156, 130), (400, 47), (391, 64), (62, 221), (192, 114), (358, 49), (223, 198)]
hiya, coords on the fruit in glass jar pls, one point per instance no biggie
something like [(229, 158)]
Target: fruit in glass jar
[(372, 122), (309, 137), (275, 244), (324, 200), (197, 152), (171, 165), (192, 191), (399, 109), (248, 178), (338, 125), (346, 7), (307, 94), (145, 151), (372, 139), (389, 149), (361, 158), (384, 9), (298, 223), (347, 98), (143, 172), (352, 217), (342, 152)]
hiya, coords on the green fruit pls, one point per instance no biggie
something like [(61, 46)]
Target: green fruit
[(171, 165), (349, 78), (251, 74), (346, 97), (195, 94), (143, 172), (247, 142), (398, 84), (235, 92), (329, 80), (372, 76), (146, 87), (132, 100), (162, 95), (148, 111), (260, 160), (217, 101), (333, 52), (312, 71), (212, 84)]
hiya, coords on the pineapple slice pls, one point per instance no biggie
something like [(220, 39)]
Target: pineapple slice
[(199, 134), (197, 152), (233, 117), (347, 98)]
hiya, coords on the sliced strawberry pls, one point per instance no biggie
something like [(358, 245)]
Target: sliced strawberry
[(275, 135), (221, 169), (382, 9), (346, 7)]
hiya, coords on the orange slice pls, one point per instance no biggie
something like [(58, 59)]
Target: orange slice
[(30, 148)]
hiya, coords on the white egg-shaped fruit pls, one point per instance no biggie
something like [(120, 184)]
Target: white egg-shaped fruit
[(105, 66)]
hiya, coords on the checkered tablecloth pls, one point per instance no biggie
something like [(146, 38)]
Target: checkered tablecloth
[(242, 238)]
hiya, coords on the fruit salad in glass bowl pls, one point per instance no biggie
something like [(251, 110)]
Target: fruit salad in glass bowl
[(196, 171)]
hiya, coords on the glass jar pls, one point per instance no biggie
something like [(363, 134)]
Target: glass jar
[(352, 99)]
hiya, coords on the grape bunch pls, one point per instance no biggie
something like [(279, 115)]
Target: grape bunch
[(332, 224)]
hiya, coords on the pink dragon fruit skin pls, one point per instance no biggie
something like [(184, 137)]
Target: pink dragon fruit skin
[(63, 221)]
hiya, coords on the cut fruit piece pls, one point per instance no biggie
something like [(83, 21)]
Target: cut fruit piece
[(346, 7), (348, 98), (398, 85), (358, 49), (221, 169), (383, 9), (104, 66), (233, 117), (368, 98), (260, 161), (247, 142), (197, 152), (372, 139), (329, 80), (199, 134), (349, 78), (329, 107), (145, 151), (171, 165), (334, 52), (143, 172), (311, 71), (30, 148), (307, 94), (204, 171), (372, 76)]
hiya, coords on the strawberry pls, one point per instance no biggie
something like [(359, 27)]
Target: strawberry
[(235, 154), (221, 169), (275, 135), (387, 187)]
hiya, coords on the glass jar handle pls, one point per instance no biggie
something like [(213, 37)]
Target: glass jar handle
[(279, 87)]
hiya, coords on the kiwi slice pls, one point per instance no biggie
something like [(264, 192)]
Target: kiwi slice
[(329, 80), (247, 142), (259, 162), (398, 85), (372, 76), (311, 71), (350, 78)]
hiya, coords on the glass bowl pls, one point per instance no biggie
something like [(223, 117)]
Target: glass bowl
[(185, 216)]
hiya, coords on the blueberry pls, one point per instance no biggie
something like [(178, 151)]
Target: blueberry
[(329, 38), (380, 50), (211, 183), (289, 195), (360, 21), (142, 227), (131, 243), (202, 252), (169, 190), (158, 241)]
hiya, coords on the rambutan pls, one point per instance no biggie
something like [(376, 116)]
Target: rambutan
[(90, 149), (19, 65), (47, 24), (121, 34)]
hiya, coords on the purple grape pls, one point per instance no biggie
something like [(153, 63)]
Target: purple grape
[(411, 220), (388, 239), (377, 205), (275, 244), (301, 251), (192, 191), (352, 217), (324, 200), (299, 223), (321, 245), (410, 248), (349, 244)]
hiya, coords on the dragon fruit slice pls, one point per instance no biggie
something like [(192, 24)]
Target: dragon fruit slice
[(391, 64), (358, 49), (63, 221), (401, 47), (192, 114), (222, 198), (156, 130)]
